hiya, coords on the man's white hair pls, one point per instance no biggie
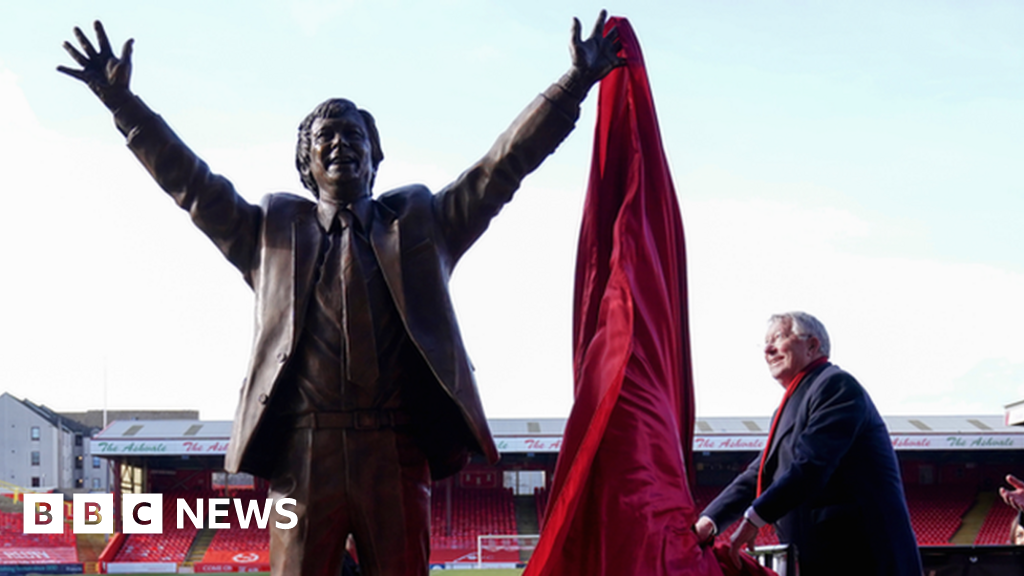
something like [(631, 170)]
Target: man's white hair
[(804, 325)]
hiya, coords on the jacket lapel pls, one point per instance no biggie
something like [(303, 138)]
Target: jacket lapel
[(387, 247), (788, 419), (305, 250)]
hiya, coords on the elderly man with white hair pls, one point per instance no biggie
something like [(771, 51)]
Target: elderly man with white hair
[(828, 479)]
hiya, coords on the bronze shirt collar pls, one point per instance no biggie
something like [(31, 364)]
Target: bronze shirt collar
[(327, 211)]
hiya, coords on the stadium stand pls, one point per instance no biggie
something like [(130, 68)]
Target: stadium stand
[(173, 544), (236, 538), (11, 536), (996, 527), (17, 547), (475, 511), (936, 511)]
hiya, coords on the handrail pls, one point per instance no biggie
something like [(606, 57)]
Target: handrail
[(779, 557)]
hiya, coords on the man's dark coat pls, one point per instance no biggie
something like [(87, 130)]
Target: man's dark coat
[(832, 483)]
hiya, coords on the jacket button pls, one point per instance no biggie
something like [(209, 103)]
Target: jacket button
[(263, 398), (282, 356)]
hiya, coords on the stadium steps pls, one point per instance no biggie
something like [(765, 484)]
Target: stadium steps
[(9, 506), (526, 520), (200, 545), (526, 515), (974, 518), (90, 546)]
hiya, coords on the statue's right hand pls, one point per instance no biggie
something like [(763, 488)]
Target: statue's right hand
[(103, 72)]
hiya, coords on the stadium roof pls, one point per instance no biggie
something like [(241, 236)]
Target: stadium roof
[(166, 429), (1015, 414), (544, 435), (221, 429), (162, 438)]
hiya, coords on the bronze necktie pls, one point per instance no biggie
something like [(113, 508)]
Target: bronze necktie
[(360, 337)]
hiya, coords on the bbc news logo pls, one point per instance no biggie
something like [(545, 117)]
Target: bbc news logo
[(144, 513)]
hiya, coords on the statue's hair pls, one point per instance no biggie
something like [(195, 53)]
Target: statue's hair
[(333, 108), (805, 325)]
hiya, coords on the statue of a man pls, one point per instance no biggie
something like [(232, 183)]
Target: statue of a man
[(359, 390)]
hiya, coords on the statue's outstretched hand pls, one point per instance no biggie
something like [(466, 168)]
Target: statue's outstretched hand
[(595, 57), (103, 72)]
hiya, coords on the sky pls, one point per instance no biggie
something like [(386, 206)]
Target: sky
[(860, 161)]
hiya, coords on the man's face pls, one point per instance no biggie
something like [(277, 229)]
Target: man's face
[(1018, 535), (340, 156), (786, 353)]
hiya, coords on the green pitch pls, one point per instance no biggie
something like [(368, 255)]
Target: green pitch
[(483, 572), (467, 572)]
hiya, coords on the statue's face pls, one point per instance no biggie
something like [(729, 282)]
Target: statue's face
[(340, 156)]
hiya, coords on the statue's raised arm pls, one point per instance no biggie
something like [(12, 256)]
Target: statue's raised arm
[(595, 57), (210, 199), (105, 74)]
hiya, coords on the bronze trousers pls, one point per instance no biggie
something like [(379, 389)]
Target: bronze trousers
[(373, 484)]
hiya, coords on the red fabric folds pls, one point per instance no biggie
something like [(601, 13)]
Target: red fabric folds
[(748, 566), (620, 503)]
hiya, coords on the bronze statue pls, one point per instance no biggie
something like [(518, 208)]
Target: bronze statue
[(359, 390)]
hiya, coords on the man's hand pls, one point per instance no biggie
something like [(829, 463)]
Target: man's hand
[(743, 537), (105, 74), (595, 57), (704, 528), (1013, 498)]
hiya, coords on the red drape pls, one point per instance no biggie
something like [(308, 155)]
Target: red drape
[(620, 502)]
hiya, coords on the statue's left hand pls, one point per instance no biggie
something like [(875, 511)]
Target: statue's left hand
[(104, 73), (595, 57)]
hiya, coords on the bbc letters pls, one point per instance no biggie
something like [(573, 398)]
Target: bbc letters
[(144, 513)]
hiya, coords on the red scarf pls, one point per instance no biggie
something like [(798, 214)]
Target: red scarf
[(790, 388)]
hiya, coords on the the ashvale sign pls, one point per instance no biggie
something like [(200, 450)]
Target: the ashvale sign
[(158, 447)]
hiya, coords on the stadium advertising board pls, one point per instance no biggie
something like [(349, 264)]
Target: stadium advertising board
[(957, 441), (158, 447), (755, 443), (18, 556), (47, 568), (541, 444), (141, 567), (217, 561), (219, 568), (552, 444)]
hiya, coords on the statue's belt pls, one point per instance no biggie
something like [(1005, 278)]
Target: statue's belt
[(354, 419)]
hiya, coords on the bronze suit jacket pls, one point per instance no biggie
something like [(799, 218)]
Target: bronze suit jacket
[(417, 237)]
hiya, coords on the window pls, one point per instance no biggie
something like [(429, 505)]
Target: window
[(95, 483), (78, 462), (95, 461), (78, 439), (35, 457), (35, 432), (79, 483), (35, 481)]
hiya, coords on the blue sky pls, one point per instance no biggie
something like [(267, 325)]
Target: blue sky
[(860, 161)]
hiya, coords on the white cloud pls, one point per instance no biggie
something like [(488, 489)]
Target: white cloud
[(908, 329)]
